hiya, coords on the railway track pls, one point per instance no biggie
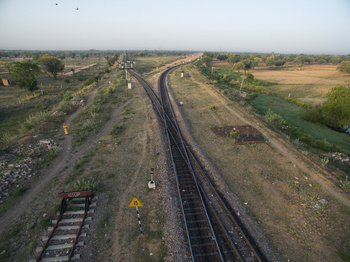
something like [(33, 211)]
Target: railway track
[(67, 233), (213, 232)]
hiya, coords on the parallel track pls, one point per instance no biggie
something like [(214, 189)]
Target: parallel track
[(213, 233), (67, 231)]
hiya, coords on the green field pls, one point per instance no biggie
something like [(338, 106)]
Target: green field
[(269, 95), (292, 114)]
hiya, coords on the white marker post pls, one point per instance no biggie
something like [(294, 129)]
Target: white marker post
[(136, 203)]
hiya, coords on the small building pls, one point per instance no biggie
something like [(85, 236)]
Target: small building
[(8, 82)]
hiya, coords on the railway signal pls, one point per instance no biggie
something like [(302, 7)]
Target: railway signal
[(65, 129), (136, 203), (152, 184)]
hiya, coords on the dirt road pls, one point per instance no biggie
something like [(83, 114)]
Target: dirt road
[(281, 145)]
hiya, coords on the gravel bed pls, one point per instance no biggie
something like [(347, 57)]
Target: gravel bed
[(221, 185)]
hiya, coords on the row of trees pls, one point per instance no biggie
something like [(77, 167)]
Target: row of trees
[(249, 61), (58, 54), (112, 60), (335, 112), (280, 59), (235, 60), (25, 72)]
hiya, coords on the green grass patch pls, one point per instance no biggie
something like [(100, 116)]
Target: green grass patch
[(44, 222), (17, 194), (293, 115), (87, 184)]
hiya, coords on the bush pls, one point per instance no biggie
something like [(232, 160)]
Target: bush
[(81, 78), (44, 222), (85, 184), (88, 82), (117, 129), (313, 115), (274, 119), (33, 120), (20, 191), (90, 124), (68, 96)]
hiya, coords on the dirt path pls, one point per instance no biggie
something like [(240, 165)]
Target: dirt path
[(280, 145), (125, 198), (78, 69), (66, 158)]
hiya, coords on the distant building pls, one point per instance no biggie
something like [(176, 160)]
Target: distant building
[(7, 82)]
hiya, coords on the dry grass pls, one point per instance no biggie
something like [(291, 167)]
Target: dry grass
[(278, 195), (121, 164), (310, 84)]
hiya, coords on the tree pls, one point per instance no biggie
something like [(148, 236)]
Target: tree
[(303, 59), (335, 60), (279, 62), (51, 65), (308, 60), (112, 60), (7, 65), (248, 65), (270, 61), (222, 57), (336, 109), (206, 60), (249, 78), (233, 59), (257, 60), (25, 74), (344, 67), (238, 66), (208, 54)]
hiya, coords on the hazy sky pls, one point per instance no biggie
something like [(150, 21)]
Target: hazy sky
[(280, 26)]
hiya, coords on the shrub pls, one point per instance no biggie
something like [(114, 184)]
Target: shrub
[(81, 79), (33, 120), (313, 115), (44, 222), (88, 82), (20, 191), (6, 139), (90, 124), (325, 161), (274, 119), (214, 108), (117, 129), (345, 184), (68, 96), (85, 184)]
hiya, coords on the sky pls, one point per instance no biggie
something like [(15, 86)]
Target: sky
[(261, 26)]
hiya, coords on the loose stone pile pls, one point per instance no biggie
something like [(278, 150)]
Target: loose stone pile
[(338, 156), (18, 165)]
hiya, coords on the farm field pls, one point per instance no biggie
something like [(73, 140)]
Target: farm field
[(292, 114), (310, 84)]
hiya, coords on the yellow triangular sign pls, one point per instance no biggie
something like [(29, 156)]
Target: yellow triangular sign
[(135, 203)]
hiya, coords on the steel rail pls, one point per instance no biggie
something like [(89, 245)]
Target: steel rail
[(214, 191), (188, 157), (70, 255), (165, 100)]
